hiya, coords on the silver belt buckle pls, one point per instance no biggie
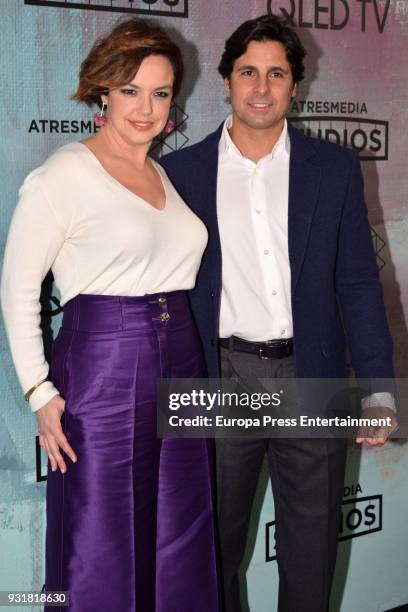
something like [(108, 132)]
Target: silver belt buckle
[(261, 356)]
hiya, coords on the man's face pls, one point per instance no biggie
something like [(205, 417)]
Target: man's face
[(261, 86)]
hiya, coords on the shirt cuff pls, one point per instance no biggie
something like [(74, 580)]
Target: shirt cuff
[(42, 395), (385, 399)]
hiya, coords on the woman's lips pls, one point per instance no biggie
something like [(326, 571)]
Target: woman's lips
[(142, 125)]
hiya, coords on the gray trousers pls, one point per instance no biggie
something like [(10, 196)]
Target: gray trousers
[(307, 477)]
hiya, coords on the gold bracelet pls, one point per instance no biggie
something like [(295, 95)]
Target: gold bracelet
[(31, 391)]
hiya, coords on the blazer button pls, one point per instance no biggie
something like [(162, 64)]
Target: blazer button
[(212, 342)]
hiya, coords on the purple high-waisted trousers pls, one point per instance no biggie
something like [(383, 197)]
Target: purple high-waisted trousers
[(130, 526)]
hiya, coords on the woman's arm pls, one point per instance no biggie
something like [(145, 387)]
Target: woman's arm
[(34, 240)]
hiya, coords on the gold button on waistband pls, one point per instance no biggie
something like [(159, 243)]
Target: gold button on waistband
[(161, 301), (164, 316)]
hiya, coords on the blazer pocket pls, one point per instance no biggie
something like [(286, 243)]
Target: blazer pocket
[(329, 349)]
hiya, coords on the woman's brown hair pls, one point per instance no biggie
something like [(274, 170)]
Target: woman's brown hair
[(115, 58)]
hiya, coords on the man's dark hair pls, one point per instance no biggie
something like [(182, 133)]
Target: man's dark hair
[(262, 29)]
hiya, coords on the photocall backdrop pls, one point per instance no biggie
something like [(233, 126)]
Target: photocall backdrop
[(355, 94)]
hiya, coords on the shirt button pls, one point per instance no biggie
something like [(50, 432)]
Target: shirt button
[(274, 292), (266, 252), (256, 172), (258, 212), (283, 332)]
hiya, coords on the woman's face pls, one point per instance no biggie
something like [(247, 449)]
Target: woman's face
[(137, 112)]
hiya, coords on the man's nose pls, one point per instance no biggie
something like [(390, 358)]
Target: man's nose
[(262, 84)]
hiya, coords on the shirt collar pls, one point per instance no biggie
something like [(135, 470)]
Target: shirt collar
[(227, 145)]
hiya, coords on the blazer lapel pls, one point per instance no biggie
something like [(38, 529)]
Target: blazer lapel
[(304, 186), (205, 181)]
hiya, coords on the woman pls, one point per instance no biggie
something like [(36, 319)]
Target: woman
[(130, 520)]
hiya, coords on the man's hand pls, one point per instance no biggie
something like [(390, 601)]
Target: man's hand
[(377, 435), (52, 437)]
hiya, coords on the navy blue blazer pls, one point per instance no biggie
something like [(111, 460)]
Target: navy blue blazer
[(336, 293)]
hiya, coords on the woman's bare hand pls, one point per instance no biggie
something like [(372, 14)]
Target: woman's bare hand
[(52, 438)]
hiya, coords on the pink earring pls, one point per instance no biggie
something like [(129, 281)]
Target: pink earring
[(169, 127), (100, 117)]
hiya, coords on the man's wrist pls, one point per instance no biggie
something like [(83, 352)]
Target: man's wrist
[(383, 399)]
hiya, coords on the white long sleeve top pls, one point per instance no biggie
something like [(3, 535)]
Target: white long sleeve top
[(98, 238)]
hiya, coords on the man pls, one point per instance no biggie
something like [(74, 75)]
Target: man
[(287, 219)]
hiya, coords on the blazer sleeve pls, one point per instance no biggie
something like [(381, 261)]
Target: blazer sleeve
[(358, 286)]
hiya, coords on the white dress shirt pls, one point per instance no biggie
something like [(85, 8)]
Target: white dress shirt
[(252, 209)]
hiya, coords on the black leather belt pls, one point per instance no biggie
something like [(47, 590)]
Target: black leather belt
[(273, 349)]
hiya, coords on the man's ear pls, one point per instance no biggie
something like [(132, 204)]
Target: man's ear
[(294, 90), (227, 85)]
